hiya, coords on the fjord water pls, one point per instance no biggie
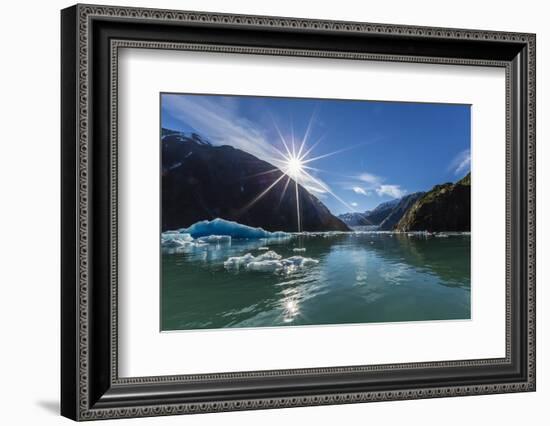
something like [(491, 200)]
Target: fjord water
[(359, 278)]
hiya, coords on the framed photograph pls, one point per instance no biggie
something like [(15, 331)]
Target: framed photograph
[(263, 212)]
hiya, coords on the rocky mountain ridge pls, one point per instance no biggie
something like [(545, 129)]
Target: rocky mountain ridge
[(201, 181), (445, 207)]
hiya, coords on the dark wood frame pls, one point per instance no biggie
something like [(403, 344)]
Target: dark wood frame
[(91, 37)]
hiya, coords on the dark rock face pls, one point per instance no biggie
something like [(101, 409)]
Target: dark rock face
[(201, 181), (399, 210), (445, 207)]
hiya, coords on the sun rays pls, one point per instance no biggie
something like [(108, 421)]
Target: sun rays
[(293, 161)]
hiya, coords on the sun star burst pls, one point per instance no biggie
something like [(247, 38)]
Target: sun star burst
[(294, 161), (294, 167)]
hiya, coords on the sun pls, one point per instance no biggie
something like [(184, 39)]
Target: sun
[(294, 163), (294, 167)]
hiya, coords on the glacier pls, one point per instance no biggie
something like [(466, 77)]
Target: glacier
[(220, 227)]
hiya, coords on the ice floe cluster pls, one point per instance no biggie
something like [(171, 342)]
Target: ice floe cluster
[(181, 240), (269, 261), (427, 234), (175, 239)]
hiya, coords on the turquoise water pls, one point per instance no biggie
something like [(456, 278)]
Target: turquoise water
[(358, 278)]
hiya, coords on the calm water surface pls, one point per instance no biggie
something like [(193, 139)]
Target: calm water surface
[(360, 278)]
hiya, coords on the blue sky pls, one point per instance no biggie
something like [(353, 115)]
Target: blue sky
[(362, 152)]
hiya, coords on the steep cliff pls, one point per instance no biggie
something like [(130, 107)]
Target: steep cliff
[(445, 207)]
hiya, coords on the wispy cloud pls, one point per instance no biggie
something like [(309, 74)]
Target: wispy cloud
[(359, 190), (394, 191), (368, 183), (461, 162), (370, 178), (221, 124)]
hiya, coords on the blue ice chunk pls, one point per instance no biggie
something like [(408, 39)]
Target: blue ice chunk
[(233, 229)]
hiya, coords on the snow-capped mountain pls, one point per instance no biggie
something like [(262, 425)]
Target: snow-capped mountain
[(386, 215), (203, 182)]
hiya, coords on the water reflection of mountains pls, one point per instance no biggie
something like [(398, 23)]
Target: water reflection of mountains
[(440, 256)]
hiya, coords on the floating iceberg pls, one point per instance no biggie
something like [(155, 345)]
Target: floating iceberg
[(174, 239), (269, 262), (229, 228), (238, 262), (215, 231), (299, 249), (264, 266), (299, 262)]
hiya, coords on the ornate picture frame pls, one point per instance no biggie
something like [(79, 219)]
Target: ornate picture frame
[(91, 37)]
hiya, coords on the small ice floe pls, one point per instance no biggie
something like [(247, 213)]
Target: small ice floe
[(243, 262), (299, 262), (215, 239), (299, 249), (264, 266), (263, 248), (176, 241), (419, 234), (172, 246), (268, 262), (237, 262)]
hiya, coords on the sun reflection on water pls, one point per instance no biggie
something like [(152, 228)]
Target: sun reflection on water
[(291, 310)]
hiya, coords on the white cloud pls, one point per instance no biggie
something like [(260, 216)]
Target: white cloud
[(359, 190), (461, 163), (371, 182), (370, 178), (394, 191), (354, 204)]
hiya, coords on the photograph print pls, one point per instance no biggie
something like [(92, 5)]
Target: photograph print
[(279, 211)]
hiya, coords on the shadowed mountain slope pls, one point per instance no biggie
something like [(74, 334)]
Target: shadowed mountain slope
[(203, 182)]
